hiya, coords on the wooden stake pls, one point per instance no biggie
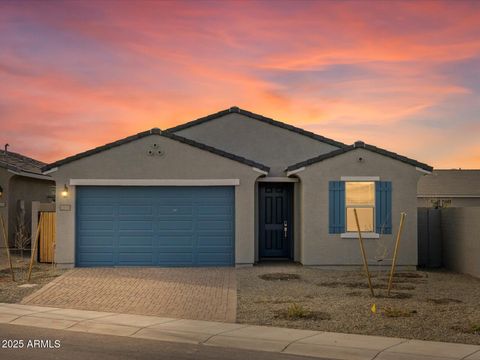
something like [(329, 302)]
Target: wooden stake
[(7, 248), (395, 253), (365, 264), (34, 246)]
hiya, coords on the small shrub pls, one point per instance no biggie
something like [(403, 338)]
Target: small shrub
[(298, 312), (393, 296), (445, 301), (396, 312), (331, 284), (408, 275), (467, 329), (279, 276)]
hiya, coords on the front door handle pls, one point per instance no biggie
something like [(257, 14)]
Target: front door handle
[(285, 229)]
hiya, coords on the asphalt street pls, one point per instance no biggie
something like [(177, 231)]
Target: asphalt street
[(75, 346)]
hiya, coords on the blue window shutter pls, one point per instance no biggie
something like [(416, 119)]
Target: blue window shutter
[(383, 207), (336, 204)]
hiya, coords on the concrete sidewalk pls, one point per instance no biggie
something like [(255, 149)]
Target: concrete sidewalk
[(281, 340)]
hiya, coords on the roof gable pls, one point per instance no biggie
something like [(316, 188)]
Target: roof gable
[(258, 117), (155, 131), (360, 145)]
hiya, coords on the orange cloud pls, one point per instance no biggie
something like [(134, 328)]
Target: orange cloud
[(397, 74)]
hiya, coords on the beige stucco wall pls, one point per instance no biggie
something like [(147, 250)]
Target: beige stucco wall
[(16, 188), (321, 248), (456, 202), (461, 239), (267, 144), (28, 190), (4, 183), (180, 161)]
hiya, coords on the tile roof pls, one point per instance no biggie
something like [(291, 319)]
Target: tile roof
[(262, 118), (156, 131), (357, 145), (17, 162)]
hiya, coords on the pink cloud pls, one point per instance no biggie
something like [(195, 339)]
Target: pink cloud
[(79, 74)]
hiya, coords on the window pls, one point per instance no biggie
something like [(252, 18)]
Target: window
[(360, 195)]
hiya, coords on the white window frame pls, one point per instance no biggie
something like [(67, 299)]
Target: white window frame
[(354, 234)]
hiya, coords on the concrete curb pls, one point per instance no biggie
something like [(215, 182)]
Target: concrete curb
[(242, 336)]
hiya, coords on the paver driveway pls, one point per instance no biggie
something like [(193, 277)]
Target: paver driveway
[(190, 293)]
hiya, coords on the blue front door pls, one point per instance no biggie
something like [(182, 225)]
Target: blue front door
[(154, 226), (275, 220)]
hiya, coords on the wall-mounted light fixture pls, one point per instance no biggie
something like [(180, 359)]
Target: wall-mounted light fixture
[(65, 191), (1, 191)]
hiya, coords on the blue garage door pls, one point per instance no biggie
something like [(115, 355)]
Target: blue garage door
[(155, 226)]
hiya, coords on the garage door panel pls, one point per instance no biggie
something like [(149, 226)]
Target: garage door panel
[(92, 225), (124, 224), (135, 210), (94, 210), (151, 226), (96, 259), (97, 240), (214, 240), (178, 225), (176, 241), (173, 218), (177, 249), (211, 259), (135, 240), (214, 225), (215, 210), (176, 259), (175, 210), (135, 259)]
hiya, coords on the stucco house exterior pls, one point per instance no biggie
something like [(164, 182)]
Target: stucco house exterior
[(21, 182), (450, 188), (232, 188)]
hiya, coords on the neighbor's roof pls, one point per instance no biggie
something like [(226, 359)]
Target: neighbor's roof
[(261, 118), (450, 182), (357, 145), (20, 163), (156, 131)]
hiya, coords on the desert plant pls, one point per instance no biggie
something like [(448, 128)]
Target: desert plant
[(22, 234), (396, 312), (296, 311), (279, 276)]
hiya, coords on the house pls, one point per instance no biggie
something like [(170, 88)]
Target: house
[(448, 226), (450, 188), (232, 188), (21, 182)]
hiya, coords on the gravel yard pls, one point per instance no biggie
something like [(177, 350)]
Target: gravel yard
[(427, 305), (13, 292)]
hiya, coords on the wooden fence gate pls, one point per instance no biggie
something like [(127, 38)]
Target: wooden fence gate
[(47, 236)]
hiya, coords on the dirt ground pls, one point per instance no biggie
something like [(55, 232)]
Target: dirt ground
[(427, 305), (13, 292)]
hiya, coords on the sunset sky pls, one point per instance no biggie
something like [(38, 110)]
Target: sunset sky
[(404, 76)]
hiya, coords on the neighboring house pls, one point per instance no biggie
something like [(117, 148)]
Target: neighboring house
[(232, 188), (450, 188), (21, 182)]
